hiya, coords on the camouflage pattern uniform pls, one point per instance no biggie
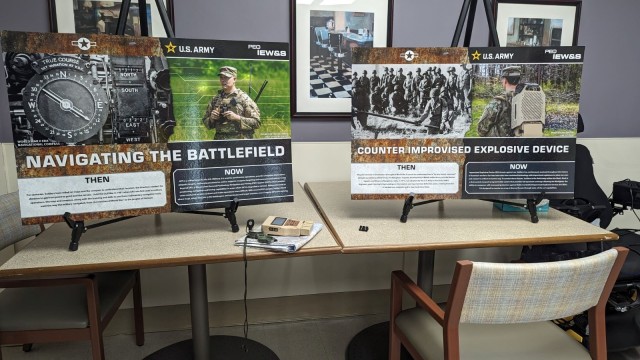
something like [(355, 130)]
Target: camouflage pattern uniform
[(240, 103), (496, 118)]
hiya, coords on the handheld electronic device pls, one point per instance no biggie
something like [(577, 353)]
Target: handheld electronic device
[(276, 225)]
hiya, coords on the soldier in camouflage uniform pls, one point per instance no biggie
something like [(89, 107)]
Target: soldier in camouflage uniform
[(496, 118), (231, 112)]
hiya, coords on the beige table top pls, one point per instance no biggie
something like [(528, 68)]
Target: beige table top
[(449, 224), (160, 240)]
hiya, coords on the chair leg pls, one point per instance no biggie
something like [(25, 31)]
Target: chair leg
[(394, 345), (95, 325), (137, 310), (396, 307)]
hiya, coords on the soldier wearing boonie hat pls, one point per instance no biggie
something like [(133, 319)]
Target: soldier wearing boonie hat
[(496, 118), (232, 113)]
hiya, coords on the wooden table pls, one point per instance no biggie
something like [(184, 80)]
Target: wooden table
[(163, 240), (450, 224)]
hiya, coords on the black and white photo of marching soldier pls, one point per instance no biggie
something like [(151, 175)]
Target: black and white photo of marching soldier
[(398, 101)]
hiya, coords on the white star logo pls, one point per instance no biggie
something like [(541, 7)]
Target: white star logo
[(83, 43), (409, 55)]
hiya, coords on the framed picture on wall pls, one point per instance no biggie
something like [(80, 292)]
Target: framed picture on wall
[(95, 17), (537, 23), (323, 32)]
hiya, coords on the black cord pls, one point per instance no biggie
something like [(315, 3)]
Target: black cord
[(245, 326)]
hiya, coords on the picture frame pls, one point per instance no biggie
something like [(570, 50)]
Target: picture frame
[(322, 34), (537, 22), (95, 17)]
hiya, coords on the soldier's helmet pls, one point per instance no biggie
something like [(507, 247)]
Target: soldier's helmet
[(409, 73), (418, 71), (451, 69), (438, 70), (374, 72), (511, 71), (391, 70), (400, 70), (386, 69), (434, 92), (364, 72), (355, 74)]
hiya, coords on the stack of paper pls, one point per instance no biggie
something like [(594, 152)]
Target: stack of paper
[(283, 243)]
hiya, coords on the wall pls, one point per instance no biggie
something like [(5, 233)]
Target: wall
[(321, 148)]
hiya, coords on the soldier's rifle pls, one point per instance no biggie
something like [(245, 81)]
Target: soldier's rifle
[(399, 119), (264, 84)]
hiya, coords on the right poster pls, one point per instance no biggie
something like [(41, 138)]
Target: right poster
[(464, 123)]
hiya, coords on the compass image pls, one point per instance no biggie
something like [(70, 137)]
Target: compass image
[(65, 104)]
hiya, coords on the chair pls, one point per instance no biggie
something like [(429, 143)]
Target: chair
[(335, 45), (65, 308), (500, 311)]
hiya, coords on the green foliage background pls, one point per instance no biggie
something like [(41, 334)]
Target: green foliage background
[(194, 82)]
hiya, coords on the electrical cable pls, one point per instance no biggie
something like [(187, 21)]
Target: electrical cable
[(245, 325)]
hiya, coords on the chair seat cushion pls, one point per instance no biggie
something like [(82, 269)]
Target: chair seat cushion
[(58, 307), (527, 341)]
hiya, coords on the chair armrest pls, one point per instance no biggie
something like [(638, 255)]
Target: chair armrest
[(400, 281)]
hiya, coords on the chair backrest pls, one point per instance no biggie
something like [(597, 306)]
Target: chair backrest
[(11, 228), (324, 33), (318, 31), (335, 40), (522, 292)]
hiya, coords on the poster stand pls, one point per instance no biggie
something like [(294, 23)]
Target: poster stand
[(229, 213), (78, 228), (467, 13)]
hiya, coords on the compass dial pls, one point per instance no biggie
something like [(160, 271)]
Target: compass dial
[(65, 105)]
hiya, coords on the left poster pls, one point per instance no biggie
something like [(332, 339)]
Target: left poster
[(108, 126)]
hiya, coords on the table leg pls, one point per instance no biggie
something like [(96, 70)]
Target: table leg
[(426, 261), (202, 346), (199, 311)]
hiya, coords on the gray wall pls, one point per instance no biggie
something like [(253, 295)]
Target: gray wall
[(608, 28)]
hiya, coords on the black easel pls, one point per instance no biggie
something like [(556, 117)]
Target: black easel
[(468, 13), (144, 26)]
